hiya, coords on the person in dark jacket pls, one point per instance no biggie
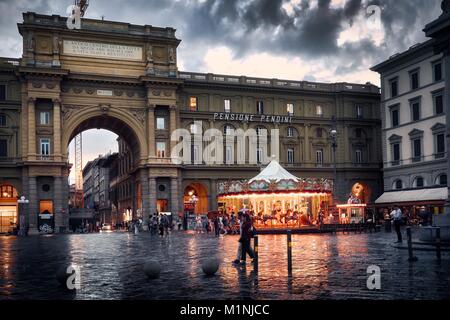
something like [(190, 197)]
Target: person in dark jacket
[(245, 240)]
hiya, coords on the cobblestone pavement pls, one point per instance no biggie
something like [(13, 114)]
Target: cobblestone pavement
[(324, 267)]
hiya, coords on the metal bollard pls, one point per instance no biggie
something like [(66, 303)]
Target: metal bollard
[(410, 248), (255, 261), (289, 251), (438, 243)]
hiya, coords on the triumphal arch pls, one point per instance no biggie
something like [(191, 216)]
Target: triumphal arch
[(104, 75)]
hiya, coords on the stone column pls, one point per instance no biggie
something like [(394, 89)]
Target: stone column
[(152, 195), (212, 195), (33, 208), (145, 198), (307, 146), (174, 196), (151, 131), (173, 127), (57, 129), (31, 129), (58, 204)]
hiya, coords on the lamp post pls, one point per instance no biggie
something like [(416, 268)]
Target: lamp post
[(333, 135), (22, 220)]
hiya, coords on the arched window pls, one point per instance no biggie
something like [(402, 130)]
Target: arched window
[(398, 184), (441, 180), (8, 191), (419, 182)]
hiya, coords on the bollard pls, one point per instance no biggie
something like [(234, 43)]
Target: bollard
[(255, 260), (410, 248), (289, 251), (438, 243)]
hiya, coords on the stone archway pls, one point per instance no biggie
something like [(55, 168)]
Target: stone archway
[(113, 119), (201, 193), (362, 191), (9, 217)]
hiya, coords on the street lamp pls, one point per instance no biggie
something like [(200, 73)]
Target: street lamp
[(333, 135), (22, 221)]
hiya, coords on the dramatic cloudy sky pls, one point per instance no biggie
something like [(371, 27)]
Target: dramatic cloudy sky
[(315, 40)]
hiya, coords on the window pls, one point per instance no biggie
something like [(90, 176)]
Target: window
[(45, 147), (2, 92), (438, 99), (415, 110), (45, 118), (358, 156), (395, 117), (319, 132), (414, 79), (437, 71), (398, 184), (419, 182), (260, 131), (359, 112), (358, 133), (396, 154), (259, 107), (290, 132), (290, 155), (319, 157), (440, 145), (227, 105), (195, 153), (228, 155), (417, 150), (319, 111), (227, 129), (161, 149), (195, 129), (394, 87), (193, 104), (3, 148), (2, 120), (160, 123), (259, 154), (442, 180), (290, 109)]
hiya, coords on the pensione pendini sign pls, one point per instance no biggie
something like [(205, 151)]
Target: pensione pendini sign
[(245, 117)]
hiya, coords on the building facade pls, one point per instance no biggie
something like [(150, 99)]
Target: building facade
[(124, 78), (414, 125)]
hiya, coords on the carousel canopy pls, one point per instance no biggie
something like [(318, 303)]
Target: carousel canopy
[(274, 172)]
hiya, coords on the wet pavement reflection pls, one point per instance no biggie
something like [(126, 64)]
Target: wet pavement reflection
[(111, 264)]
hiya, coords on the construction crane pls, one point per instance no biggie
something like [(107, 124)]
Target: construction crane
[(79, 170), (83, 5)]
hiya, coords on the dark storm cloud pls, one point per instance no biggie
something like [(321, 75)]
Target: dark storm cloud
[(310, 30)]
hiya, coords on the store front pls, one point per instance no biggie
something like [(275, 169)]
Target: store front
[(8, 209), (418, 205)]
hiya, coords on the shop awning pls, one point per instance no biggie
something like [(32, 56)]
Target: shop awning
[(420, 195)]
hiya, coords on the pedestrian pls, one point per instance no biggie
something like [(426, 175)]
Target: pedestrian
[(239, 250), (161, 226), (396, 214), (216, 226), (245, 239)]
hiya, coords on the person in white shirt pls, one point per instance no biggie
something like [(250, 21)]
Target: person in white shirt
[(396, 214)]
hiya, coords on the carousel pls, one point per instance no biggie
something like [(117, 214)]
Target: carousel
[(277, 199)]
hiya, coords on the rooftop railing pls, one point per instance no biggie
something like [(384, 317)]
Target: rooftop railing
[(277, 83)]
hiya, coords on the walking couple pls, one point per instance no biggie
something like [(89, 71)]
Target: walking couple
[(246, 234)]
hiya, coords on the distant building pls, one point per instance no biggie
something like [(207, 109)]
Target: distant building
[(413, 129)]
